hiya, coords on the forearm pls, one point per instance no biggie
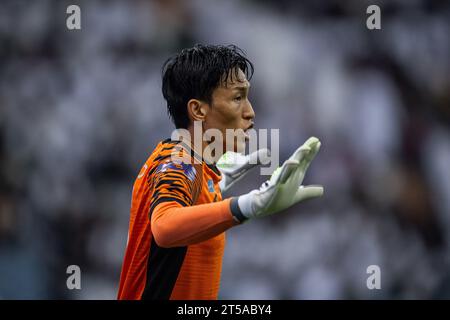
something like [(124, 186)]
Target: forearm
[(174, 225)]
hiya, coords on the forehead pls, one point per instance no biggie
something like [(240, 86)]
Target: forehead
[(236, 79)]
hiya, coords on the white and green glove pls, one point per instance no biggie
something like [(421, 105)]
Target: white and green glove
[(233, 166), (283, 189)]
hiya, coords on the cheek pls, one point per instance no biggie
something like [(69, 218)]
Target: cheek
[(228, 114)]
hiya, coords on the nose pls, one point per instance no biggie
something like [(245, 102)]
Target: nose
[(249, 113)]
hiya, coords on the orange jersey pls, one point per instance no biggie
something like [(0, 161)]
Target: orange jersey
[(176, 235)]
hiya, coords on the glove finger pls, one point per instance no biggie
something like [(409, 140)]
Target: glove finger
[(231, 162), (300, 153), (305, 149), (308, 192), (261, 156), (315, 147), (227, 159), (311, 141), (236, 164), (288, 168), (308, 158)]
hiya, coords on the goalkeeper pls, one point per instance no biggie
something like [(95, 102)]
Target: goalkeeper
[(178, 218)]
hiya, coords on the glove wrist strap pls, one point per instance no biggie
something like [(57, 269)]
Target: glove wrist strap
[(236, 211)]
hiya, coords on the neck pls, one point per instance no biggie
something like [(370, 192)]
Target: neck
[(198, 144)]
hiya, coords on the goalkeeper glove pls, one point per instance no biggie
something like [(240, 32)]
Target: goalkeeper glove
[(233, 166), (283, 189)]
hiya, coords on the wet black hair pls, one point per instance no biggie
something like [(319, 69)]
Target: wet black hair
[(194, 73)]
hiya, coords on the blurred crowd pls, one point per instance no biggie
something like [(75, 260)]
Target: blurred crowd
[(81, 110)]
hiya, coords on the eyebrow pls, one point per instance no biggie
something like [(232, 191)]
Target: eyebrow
[(242, 87)]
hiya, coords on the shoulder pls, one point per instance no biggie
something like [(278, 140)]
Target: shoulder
[(175, 157)]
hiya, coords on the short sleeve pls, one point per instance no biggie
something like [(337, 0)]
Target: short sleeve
[(179, 182)]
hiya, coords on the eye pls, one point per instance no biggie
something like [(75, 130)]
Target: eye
[(238, 98)]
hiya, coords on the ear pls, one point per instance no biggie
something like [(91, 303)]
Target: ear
[(197, 110)]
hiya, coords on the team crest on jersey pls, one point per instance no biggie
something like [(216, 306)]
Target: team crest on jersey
[(187, 169), (211, 186)]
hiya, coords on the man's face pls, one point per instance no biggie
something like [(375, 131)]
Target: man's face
[(231, 109)]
